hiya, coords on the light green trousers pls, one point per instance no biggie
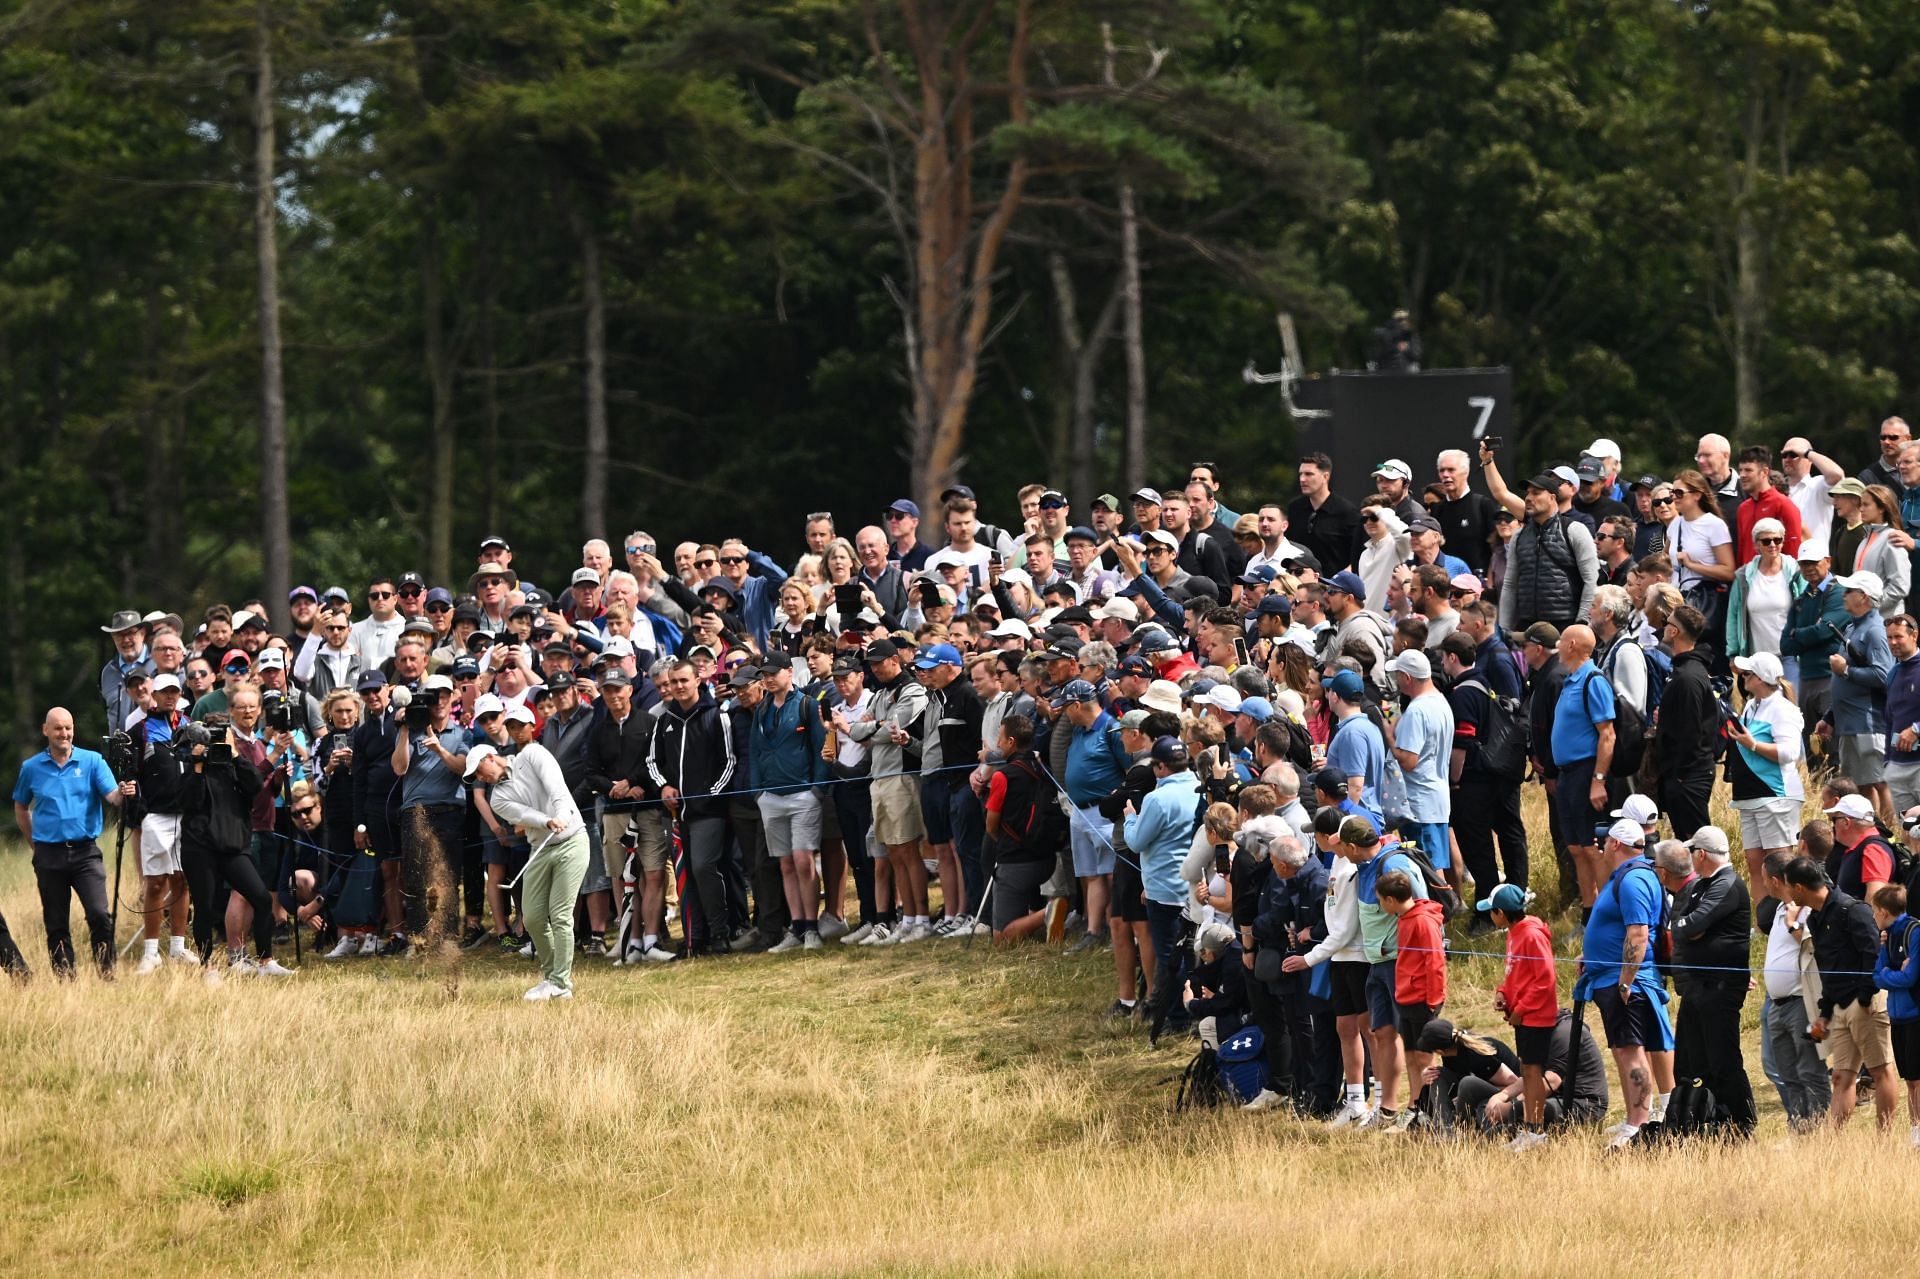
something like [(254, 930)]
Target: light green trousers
[(547, 897)]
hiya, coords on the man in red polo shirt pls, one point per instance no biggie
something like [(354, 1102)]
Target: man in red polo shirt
[(1760, 500)]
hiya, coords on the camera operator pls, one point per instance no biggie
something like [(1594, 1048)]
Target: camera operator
[(374, 782), (429, 756), (163, 884), (218, 794), (271, 671), (57, 805)]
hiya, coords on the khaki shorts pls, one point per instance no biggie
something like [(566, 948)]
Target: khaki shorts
[(649, 826), (896, 810), (1859, 1035)]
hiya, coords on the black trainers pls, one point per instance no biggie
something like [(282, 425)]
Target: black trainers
[(397, 947), (1122, 1011), (474, 938)]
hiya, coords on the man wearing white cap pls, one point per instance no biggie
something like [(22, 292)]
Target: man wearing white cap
[(1643, 812), (1422, 743), (1617, 971), (531, 793), (1607, 453), (1865, 859), (163, 882), (1393, 480), (1859, 709), (1810, 475)]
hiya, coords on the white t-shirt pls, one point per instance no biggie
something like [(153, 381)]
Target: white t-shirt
[(1786, 723), (1811, 497), (1768, 599), (1697, 538), (852, 754)]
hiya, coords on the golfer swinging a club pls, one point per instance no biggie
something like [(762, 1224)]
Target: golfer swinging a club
[(529, 792)]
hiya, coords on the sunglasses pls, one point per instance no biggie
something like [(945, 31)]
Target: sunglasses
[(1053, 506), (1370, 519), (1663, 501), (898, 515), (1458, 595), (1158, 550), (706, 563), (199, 674), (1893, 437), (379, 595), (1771, 541), (306, 810), (336, 629), (733, 559), (439, 608), (1788, 455), (411, 591)]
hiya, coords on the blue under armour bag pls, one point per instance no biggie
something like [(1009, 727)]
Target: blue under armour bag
[(1243, 1063)]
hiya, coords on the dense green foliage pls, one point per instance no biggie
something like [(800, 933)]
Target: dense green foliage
[(1666, 219)]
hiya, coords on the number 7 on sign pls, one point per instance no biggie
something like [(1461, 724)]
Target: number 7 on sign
[(1485, 404)]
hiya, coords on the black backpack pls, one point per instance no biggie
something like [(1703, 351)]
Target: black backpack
[(1630, 729), (1506, 735), (1041, 830), (1692, 1111), (1436, 883), (1200, 1085)]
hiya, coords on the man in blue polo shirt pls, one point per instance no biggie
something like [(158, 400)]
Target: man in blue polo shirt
[(1582, 746), (1356, 747), (1618, 974), (57, 805), (1097, 763)]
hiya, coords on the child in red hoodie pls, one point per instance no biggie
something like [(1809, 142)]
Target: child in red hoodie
[(1529, 996), (1420, 974)]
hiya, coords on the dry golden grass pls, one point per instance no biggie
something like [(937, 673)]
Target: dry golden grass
[(928, 1112)]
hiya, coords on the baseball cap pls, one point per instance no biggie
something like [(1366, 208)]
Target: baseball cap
[(1275, 606), (1590, 470), (1423, 523), (271, 659), (1711, 839), (1081, 533), (1305, 559), (616, 679), (956, 490), (938, 655), (412, 579), (1763, 665), (307, 591), (1627, 832), (1545, 634), (1565, 474), (1260, 575), (235, 658), (1150, 496), (1604, 447), (1413, 664), (1012, 626), (335, 595), (559, 680), (1510, 898), (1170, 751), (492, 541), (582, 576), (1119, 610), (1162, 537), (476, 754), (1466, 582), (901, 506), (744, 676), (1647, 481), (1224, 696), (1331, 781), (1346, 581), (881, 649), (488, 704), (1546, 481), (370, 680), (1869, 584), (1053, 497), (1073, 613), (1133, 719), (439, 595), (1347, 685), (1257, 709), (436, 684), (1637, 808), (419, 626), (1109, 501), (1854, 806), (161, 683), (848, 664), (1395, 468), (518, 713), (243, 619), (1812, 550), (465, 668), (1076, 692), (1133, 664)]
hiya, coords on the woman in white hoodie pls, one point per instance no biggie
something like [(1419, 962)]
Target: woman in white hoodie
[(1388, 545), (1341, 947)]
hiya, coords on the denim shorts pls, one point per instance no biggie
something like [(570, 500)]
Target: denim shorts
[(1382, 1012)]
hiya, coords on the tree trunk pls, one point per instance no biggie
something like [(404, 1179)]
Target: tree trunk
[(490, 361), (161, 495), (953, 265), (276, 533), (1133, 341), (1749, 296), (440, 378), (593, 497), (14, 488)]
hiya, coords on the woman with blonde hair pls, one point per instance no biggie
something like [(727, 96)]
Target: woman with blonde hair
[(1880, 552)]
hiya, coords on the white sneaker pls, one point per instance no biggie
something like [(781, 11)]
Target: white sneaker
[(785, 945), (272, 968), (542, 992), (880, 935), (1623, 1136), (1527, 1141), (242, 967), (370, 945), (981, 928), (635, 952), (526, 951), (1377, 1120), (812, 941), (1267, 1100), (1405, 1120), (910, 933), (945, 927), (832, 927), (1614, 1130), (345, 948), (148, 964), (1350, 1113), (183, 957), (856, 937), (959, 926), (655, 955)]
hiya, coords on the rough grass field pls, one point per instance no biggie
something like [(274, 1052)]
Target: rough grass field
[(931, 1111)]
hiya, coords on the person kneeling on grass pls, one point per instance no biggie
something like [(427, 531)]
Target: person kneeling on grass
[(1420, 978), (1529, 999), (1217, 987), (531, 793), (1898, 973)]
